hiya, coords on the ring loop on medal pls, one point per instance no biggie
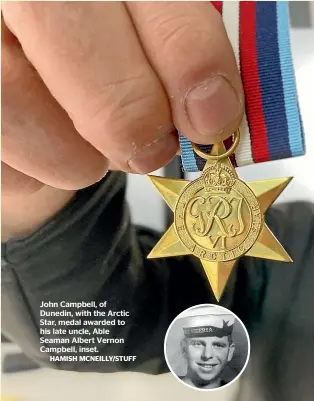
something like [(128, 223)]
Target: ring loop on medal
[(227, 153)]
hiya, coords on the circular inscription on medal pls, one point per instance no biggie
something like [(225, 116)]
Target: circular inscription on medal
[(217, 221)]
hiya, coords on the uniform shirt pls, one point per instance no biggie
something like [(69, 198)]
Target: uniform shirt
[(91, 251), (190, 383)]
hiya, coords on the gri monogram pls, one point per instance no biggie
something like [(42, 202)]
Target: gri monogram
[(219, 214)]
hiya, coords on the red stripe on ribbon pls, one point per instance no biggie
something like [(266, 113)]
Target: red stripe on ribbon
[(217, 5), (250, 78)]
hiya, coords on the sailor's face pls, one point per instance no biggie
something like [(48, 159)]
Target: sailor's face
[(207, 356)]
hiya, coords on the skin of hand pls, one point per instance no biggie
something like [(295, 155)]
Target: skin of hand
[(92, 86)]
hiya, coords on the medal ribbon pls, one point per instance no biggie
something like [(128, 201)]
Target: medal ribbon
[(272, 127)]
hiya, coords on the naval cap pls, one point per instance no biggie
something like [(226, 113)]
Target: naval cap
[(207, 322)]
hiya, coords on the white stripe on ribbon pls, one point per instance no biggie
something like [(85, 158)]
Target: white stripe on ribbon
[(231, 19)]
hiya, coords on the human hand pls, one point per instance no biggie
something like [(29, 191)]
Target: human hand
[(92, 85)]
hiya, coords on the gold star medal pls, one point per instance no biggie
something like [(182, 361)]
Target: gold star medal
[(218, 217)]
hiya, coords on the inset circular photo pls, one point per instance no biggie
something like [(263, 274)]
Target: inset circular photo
[(207, 347)]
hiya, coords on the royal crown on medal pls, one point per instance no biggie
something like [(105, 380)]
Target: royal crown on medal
[(218, 178), (218, 217)]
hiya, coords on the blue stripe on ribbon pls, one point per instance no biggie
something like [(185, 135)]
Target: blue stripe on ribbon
[(271, 80), (187, 155), (295, 129), (277, 86)]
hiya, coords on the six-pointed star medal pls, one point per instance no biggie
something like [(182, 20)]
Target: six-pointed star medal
[(219, 218)]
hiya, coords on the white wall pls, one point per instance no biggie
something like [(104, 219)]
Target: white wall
[(312, 12), (147, 207)]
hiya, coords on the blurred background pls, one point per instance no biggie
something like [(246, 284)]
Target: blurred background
[(22, 380)]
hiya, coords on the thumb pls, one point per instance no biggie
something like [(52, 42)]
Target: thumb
[(188, 46)]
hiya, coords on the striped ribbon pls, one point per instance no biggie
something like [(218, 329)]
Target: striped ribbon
[(272, 127)]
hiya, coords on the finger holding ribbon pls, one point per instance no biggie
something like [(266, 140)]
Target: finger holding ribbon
[(92, 84)]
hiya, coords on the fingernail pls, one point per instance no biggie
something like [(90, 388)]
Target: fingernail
[(212, 106), (154, 155)]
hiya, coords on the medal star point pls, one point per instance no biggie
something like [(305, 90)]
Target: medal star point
[(169, 245), (168, 188), (267, 191), (218, 273), (268, 247)]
